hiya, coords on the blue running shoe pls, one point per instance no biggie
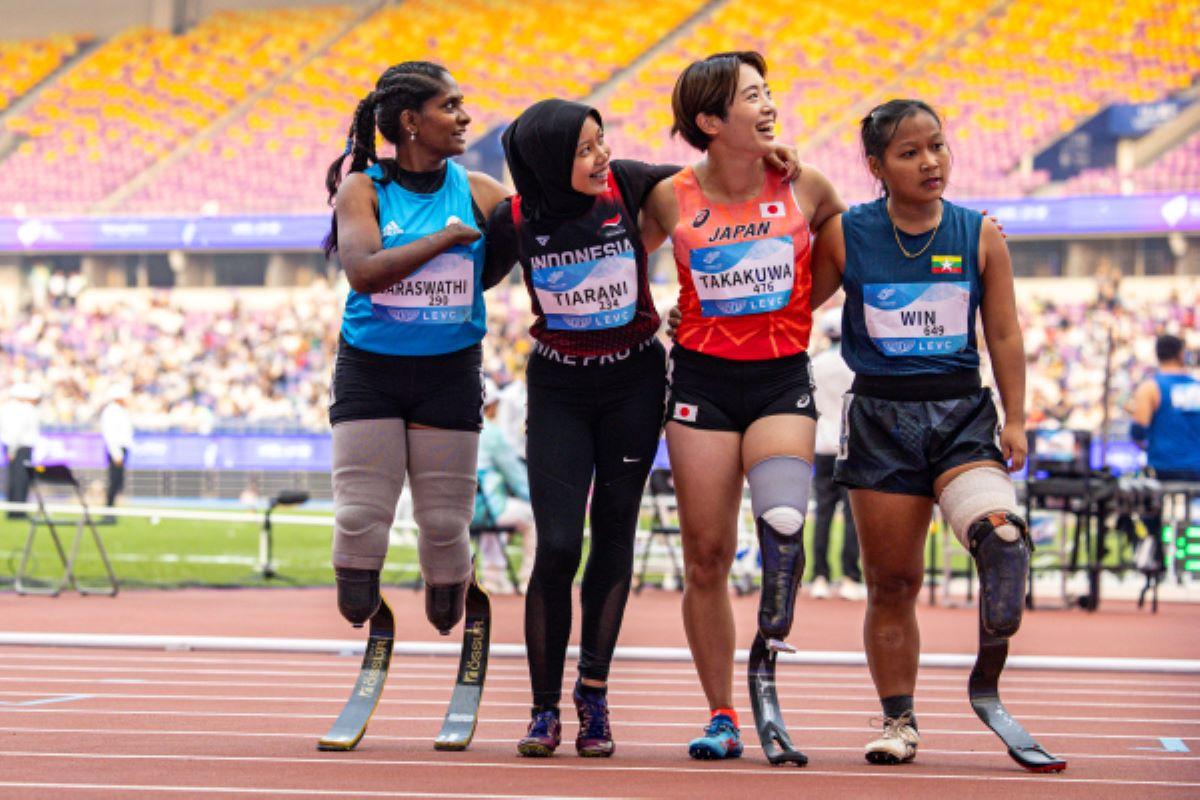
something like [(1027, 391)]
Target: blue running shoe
[(543, 736), (721, 739)]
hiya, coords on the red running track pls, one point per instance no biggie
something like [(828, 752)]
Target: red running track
[(118, 723)]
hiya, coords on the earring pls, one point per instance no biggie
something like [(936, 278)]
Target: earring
[(412, 135)]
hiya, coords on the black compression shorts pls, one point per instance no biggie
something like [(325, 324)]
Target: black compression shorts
[(721, 394), (443, 391)]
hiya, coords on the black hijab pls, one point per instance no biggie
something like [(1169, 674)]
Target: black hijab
[(540, 148)]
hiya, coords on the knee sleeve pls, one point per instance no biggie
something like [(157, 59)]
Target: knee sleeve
[(441, 470), (368, 475), (982, 512), (972, 496), (779, 492)]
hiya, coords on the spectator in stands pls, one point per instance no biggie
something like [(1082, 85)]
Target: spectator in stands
[(832, 379), (502, 498), (1165, 412), (116, 428), (19, 431), (1166, 415), (406, 399)]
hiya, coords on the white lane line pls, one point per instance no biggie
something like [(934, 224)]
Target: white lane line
[(1148, 755), (622, 653), (521, 690), (794, 774), (698, 709), (831, 675), (786, 679), (523, 721), (283, 792)]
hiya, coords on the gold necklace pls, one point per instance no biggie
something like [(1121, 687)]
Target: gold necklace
[(896, 233)]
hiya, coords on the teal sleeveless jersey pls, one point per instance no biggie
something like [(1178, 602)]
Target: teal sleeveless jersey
[(910, 316), (439, 308)]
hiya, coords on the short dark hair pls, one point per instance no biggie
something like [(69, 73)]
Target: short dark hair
[(879, 126), (1168, 348), (708, 87)]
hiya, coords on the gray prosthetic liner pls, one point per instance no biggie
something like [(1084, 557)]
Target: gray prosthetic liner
[(779, 491), (441, 469), (369, 459)]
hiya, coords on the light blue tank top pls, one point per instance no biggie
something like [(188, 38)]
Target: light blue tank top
[(439, 308), (1174, 444), (910, 316)]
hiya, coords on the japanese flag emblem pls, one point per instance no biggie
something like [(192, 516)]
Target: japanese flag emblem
[(771, 210), (686, 412)]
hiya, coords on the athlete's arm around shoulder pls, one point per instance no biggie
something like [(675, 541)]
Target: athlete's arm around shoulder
[(828, 260), (659, 215), (1002, 330), (369, 266)]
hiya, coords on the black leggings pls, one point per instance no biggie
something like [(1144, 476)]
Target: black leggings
[(602, 420)]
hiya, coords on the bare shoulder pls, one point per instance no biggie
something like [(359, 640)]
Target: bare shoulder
[(817, 196), (662, 203), (487, 191)]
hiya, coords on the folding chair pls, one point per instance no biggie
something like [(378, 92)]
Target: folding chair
[(665, 524), (60, 475), (490, 526)]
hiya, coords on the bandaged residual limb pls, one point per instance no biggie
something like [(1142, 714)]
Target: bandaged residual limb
[(980, 506), (779, 491)]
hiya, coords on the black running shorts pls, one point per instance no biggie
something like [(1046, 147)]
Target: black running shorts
[(721, 394), (902, 446), (443, 391)]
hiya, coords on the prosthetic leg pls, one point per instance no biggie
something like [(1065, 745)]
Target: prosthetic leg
[(351, 724), (779, 489), (1003, 568)]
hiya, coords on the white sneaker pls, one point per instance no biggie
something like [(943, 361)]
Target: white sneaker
[(851, 590), (819, 589), (897, 745)]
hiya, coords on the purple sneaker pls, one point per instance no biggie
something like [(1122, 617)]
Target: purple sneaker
[(543, 736), (595, 736)]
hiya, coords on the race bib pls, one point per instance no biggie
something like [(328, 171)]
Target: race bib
[(590, 295), (917, 319), (441, 292), (733, 280)]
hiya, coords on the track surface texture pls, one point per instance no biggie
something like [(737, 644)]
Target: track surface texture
[(109, 723)]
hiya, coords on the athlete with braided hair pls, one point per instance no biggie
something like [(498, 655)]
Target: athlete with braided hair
[(407, 388)]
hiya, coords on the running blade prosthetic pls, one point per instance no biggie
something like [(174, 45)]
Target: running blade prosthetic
[(463, 714), (351, 724), (984, 690), (768, 718)]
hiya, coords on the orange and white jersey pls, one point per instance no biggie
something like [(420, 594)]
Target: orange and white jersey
[(744, 272)]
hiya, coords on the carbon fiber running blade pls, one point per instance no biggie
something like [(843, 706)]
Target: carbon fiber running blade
[(463, 714), (351, 724), (984, 691), (768, 718)]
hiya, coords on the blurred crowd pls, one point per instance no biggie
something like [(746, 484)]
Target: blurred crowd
[(266, 365)]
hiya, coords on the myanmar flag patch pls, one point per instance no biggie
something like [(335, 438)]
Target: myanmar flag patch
[(947, 265)]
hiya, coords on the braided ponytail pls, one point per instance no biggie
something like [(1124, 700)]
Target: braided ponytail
[(402, 87)]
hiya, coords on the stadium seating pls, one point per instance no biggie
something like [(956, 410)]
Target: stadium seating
[(142, 95), (274, 158), (1176, 170), (257, 102), (25, 64), (1004, 92)]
